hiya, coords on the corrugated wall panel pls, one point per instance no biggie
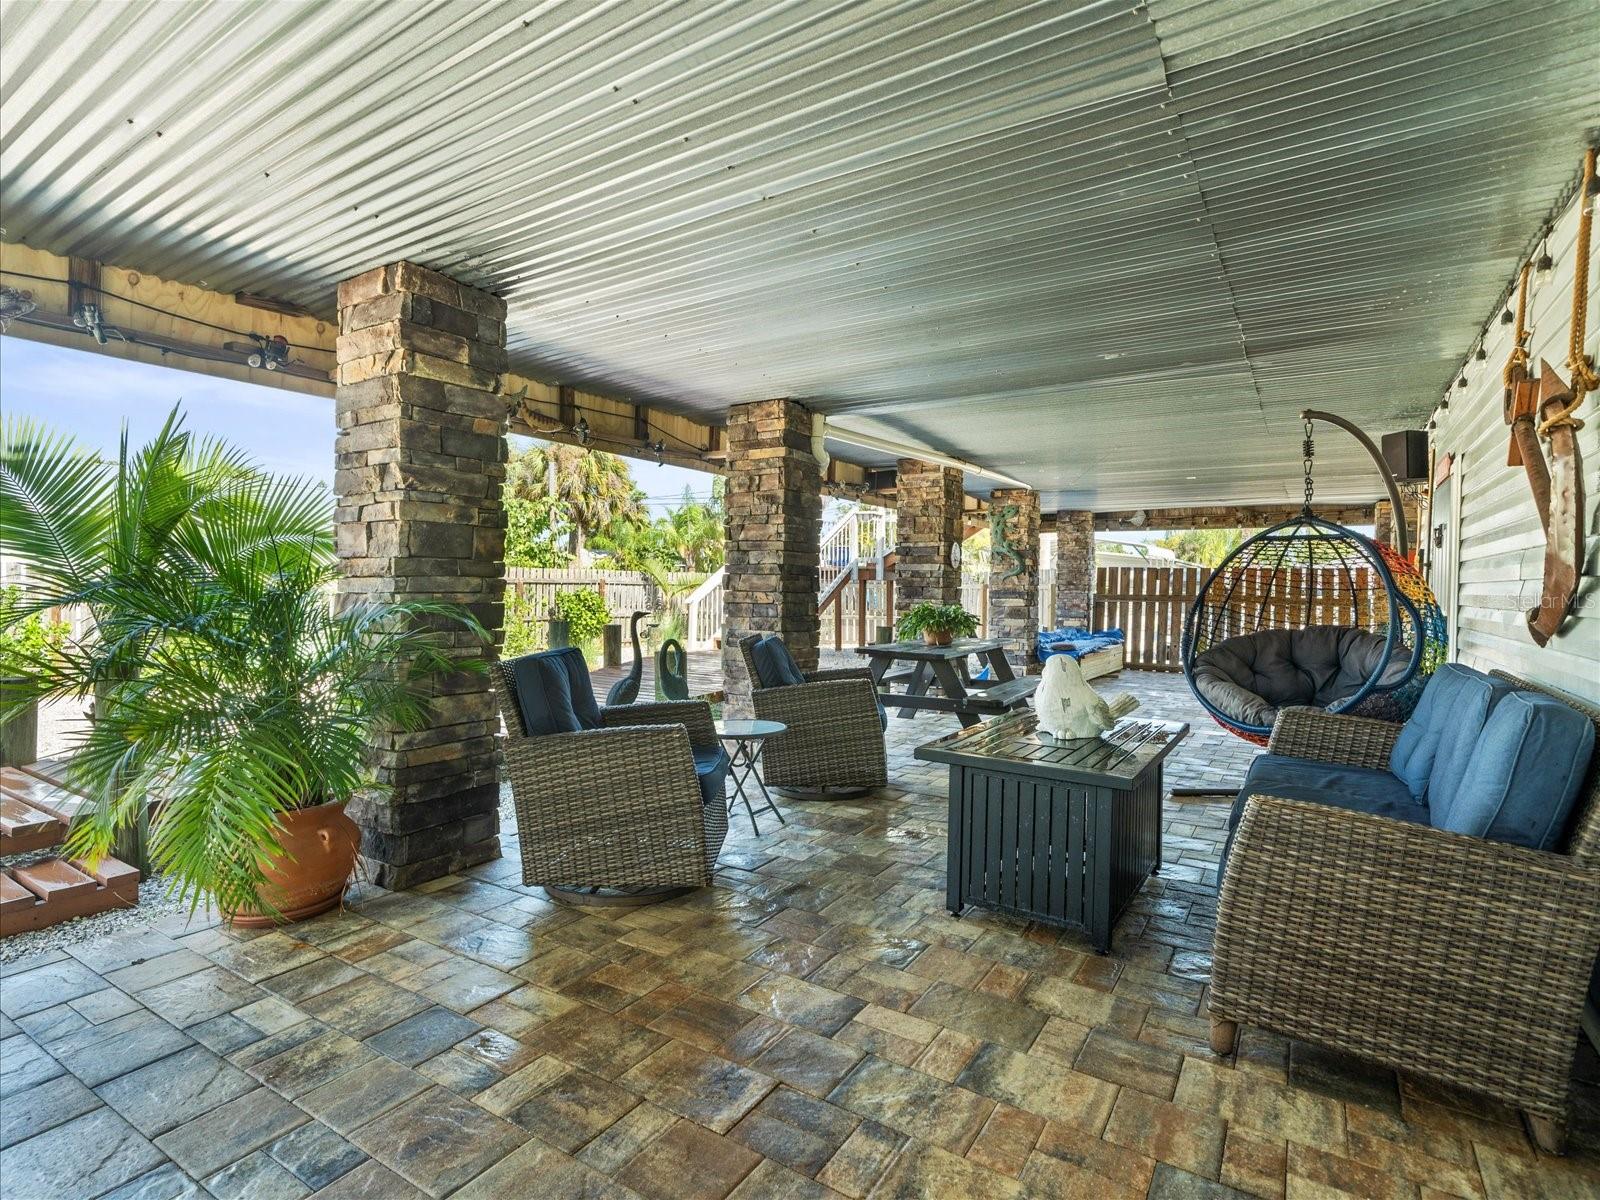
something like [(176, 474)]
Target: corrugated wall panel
[(1501, 543)]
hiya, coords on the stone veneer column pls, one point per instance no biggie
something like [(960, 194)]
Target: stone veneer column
[(774, 530), (1014, 600), (421, 457), (929, 499), (1075, 569)]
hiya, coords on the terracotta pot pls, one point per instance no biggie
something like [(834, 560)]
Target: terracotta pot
[(936, 637), (319, 847)]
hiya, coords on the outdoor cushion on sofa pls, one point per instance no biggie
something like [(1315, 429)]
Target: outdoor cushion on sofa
[(1360, 789), (1523, 776), (1436, 743), (554, 694)]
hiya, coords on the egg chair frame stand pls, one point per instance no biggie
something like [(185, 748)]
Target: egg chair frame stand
[(1286, 569)]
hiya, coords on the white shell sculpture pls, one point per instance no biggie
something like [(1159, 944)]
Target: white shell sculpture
[(1069, 708)]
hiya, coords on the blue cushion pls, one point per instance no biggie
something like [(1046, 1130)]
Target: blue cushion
[(883, 716), (775, 666), (711, 765), (1445, 726), (1524, 774), (1359, 789), (553, 692)]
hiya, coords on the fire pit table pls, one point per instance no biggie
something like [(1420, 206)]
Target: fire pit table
[(1058, 831)]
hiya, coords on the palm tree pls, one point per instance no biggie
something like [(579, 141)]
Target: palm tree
[(696, 534), (595, 488), (228, 689)]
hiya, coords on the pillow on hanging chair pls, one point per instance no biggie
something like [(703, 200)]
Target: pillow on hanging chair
[(1249, 678)]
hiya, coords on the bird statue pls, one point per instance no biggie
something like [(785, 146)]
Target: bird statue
[(1069, 708), (626, 689), (672, 671)]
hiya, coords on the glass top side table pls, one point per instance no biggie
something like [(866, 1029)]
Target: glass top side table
[(744, 740)]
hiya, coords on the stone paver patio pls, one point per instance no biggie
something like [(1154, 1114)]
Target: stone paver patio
[(815, 1025)]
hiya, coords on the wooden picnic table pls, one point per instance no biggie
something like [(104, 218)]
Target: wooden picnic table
[(946, 666)]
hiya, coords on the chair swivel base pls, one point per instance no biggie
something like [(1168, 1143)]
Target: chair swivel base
[(599, 896), (834, 792)]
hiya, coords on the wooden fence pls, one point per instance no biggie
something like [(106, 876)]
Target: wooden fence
[(625, 591), (1150, 604)]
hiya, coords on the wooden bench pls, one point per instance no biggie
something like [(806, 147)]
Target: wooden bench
[(1002, 697)]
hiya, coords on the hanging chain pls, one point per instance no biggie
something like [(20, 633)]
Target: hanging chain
[(1308, 451)]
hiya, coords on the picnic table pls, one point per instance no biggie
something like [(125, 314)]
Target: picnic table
[(945, 667)]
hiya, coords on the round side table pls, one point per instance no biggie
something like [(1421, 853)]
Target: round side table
[(744, 740)]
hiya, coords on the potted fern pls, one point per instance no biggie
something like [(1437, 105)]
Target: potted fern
[(235, 704), (937, 624)]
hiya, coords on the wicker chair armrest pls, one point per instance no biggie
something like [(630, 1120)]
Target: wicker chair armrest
[(693, 715), (1465, 959), (1326, 737), (570, 762), (832, 673)]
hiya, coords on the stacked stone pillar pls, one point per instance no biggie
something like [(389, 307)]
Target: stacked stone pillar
[(421, 458), (929, 499), (1075, 569), (773, 506), (1014, 581)]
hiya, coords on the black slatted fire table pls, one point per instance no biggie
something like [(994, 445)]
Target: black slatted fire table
[(1059, 831)]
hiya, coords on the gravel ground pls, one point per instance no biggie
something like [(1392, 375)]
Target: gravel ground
[(154, 904)]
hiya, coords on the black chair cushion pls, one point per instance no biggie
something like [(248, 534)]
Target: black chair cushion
[(554, 693)]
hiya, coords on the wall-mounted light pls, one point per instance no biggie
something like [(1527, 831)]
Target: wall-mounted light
[(1481, 354), (1544, 264), (1507, 317), (581, 431), (660, 448)]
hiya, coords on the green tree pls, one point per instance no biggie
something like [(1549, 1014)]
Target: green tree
[(588, 493), (694, 533), (1208, 547)]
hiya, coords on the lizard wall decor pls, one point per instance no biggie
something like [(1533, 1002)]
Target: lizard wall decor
[(1000, 547)]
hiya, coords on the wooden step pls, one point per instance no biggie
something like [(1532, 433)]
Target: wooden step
[(55, 890), (40, 791), (24, 827)]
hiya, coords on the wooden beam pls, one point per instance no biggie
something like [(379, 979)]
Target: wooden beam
[(153, 320), (1221, 516)]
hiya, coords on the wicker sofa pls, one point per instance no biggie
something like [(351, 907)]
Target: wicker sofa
[(617, 805), (834, 744), (1460, 958)]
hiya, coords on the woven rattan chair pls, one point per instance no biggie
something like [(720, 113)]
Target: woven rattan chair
[(1452, 957), (833, 747), (629, 808)]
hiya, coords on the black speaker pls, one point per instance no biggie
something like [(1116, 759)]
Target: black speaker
[(1406, 454)]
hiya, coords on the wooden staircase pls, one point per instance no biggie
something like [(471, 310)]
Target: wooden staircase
[(36, 811)]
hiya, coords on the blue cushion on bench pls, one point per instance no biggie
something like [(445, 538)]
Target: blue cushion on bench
[(554, 693), (1523, 775), (775, 666), (1444, 728), (711, 765)]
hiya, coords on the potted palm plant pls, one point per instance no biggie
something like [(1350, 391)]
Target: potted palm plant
[(235, 703), (937, 624)]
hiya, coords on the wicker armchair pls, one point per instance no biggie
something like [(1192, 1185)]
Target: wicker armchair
[(1452, 957), (627, 809), (834, 744)]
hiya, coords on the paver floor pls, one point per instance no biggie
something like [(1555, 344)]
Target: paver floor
[(815, 1025)]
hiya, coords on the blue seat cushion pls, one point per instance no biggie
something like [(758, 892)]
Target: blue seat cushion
[(553, 692), (1436, 743), (711, 765), (1359, 789), (1523, 775), (775, 666)]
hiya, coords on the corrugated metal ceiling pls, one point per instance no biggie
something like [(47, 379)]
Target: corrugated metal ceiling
[(1110, 250)]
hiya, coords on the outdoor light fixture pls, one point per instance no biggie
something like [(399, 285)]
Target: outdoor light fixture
[(1481, 354), (660, 448), (581, 430), (1507, 317), (1545, 263), (88, 318)]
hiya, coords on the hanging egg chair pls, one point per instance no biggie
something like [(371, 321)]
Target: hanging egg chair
[(1311, 613)]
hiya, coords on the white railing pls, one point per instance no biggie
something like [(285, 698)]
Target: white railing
[(863, 534), (703, 613)]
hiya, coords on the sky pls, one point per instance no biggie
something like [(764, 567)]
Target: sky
[(91, 396)]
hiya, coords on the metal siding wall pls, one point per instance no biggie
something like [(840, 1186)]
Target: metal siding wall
[(1501, 542)]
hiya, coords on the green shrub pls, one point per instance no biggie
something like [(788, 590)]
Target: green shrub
[(525, 627), (585, 612), (28, 642)]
